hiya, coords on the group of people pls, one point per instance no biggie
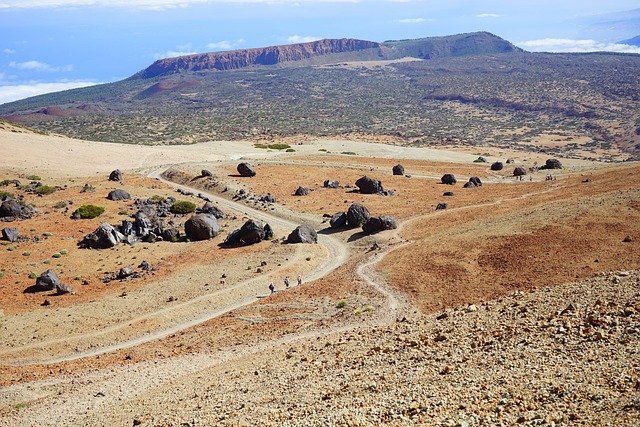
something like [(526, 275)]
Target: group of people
[(287, 283)]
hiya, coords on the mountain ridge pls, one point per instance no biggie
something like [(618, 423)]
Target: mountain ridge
[(423, 48)]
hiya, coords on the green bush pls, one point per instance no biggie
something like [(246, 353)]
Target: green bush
[(33, 275), (34, 178), (341, 304), (26, 253), (89, 211), (158, 198), (279, 146), (64, 252), (45, 189), (182, 207), (351, 153), (57, 255), (5, 182), (6, 195), (290, 150), (47, 234), (61, 204)]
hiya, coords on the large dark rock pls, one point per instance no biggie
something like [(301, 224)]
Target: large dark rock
[(497, 166), (553, 164), (476, 181), (10, 208), (469, 184), (357, 215), (205, 172), (105, 236), (46, 282), (331, 184), (201, 227), (388, 222), (118, 195), (338, 220), (209, 208), (448, 178), (519, 171), (441, 206), (10, 234), (372, 225), (268, 232), (302, 191), (252, 232), (303, 234), (115, 175), (245, 169), (369, 185), (233, 238), (398, 170), (62, 288), (171, 235)]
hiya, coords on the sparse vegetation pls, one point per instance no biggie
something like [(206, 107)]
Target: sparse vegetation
[(33, 178), (45, 189), (341, 304), (60, 205), (182, 207), (89, 211)]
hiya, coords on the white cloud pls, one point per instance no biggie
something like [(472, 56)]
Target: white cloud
[(172, 54), (412, 21), (225, 44), (9, 51), (569, 45), (487, 15), (303, 39), (16, 92), (38, 66)]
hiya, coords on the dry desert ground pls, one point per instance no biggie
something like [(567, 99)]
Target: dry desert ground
[(518, 304)]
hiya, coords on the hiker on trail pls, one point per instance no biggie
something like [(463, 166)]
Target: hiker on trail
[(299, 280), (286, 282), (272, 288)]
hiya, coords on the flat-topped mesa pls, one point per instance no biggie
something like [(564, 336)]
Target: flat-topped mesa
[(259, 56)]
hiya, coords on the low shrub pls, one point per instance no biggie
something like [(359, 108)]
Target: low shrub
[(33, 178), (6, 195), (45, 189), (89, 211), (279, 146), (61, 204), (182, 207), (341, 304), (290, 150), (64, 252)]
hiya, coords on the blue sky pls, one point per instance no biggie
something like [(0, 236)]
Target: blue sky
[(50, 45)]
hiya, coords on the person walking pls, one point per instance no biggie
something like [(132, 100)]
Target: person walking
[(286, 282), (272, 288), (299, 280)]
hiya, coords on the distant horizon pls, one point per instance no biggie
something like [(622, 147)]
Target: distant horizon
[(52, 45)]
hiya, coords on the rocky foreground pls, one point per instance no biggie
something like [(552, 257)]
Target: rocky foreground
[(568, 355)]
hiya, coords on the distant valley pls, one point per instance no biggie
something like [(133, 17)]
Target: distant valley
[(465, 90)]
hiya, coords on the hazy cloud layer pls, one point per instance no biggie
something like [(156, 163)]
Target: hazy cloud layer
[(38, 66), (226, 44), (16, 92), (303, 39), (568, 45), (412, 20)]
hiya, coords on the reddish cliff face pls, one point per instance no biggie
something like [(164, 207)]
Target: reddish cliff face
[(260, 56)]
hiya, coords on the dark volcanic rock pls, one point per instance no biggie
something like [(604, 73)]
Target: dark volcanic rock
[(171, 235), (469, 185), (398, 170), (331, 184), (497, 166), (268, 232), (448, 178), (338, 220), (233, 238), (302, 191), (46, 282), (441, 206), (252, 232), (10, 208), (209, 208), (105, 236), (115, 175), (205, 172), (357, 215), (245, 169), (62, 289), (519, 171), (388, 222), (10, 234), (372, 225), (201, 227), (268, 199), (369, 185), (476, 181), (303, 234), (553, 164), (448, 194), (118, 195)]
